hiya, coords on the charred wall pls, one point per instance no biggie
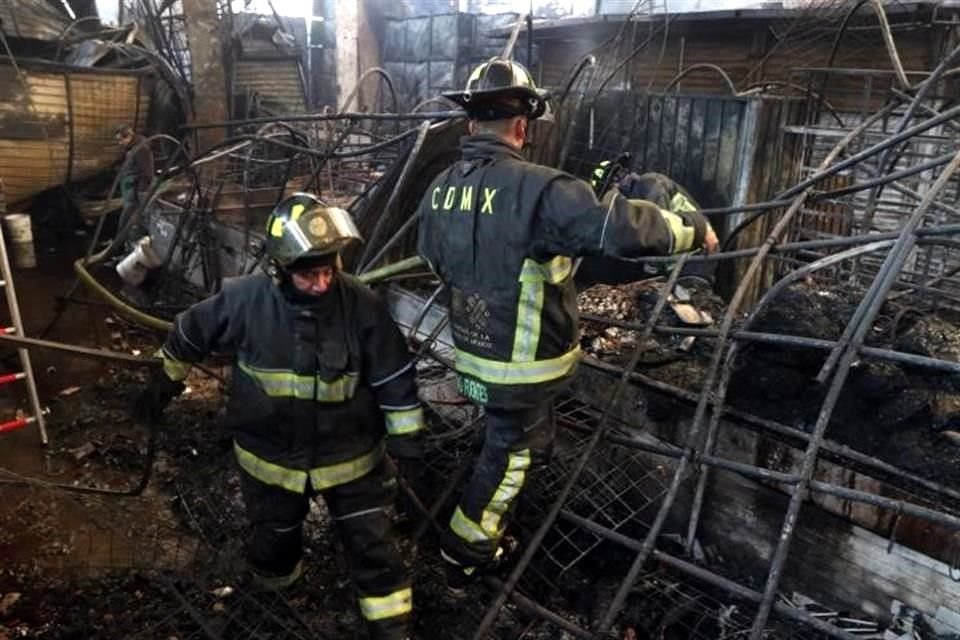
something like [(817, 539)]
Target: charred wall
[(750, 51)]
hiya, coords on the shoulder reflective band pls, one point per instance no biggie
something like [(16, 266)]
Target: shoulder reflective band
[(680, 202), (526, 337), (394, 604), (404, 422), (598, 173), (497, 372), (286, 384), (295, 480), (681, 234)]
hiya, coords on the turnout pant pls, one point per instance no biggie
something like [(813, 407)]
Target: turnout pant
[(359, 510), (514, 440)]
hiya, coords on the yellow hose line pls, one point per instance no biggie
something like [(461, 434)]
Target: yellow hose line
[(154, 322), (122, 307), (393, 269)]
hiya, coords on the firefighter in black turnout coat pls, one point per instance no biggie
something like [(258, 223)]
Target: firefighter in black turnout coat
[(655, 188), (501, 233), (322, 386)]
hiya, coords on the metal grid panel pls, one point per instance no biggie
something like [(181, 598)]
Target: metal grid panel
[(618, 489), (846, 215), (198, 612)]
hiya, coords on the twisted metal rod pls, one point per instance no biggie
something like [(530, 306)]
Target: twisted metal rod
[(726, 327)]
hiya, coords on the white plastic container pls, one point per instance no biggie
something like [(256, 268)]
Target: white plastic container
[(20, 234), (134, 268)]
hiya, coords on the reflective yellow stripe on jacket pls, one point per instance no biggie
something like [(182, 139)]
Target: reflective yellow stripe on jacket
[(404, 422), (320, 477), (523, 367), (533, 274), (286, 384), (391, 605), (683, 236), (497, 372)]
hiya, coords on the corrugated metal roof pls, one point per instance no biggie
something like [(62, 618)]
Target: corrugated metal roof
[(32, 19), (579, 24)]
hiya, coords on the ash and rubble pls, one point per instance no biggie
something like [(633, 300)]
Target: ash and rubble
[(901, 414), (165, 565)]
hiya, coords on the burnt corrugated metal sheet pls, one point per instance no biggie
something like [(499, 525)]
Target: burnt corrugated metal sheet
[(57, 123), (276, 84), (32, 19), (726, 151), (743, 51)]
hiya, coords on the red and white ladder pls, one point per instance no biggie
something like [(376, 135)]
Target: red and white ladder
[(26, 368)]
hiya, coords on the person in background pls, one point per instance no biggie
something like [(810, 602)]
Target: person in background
[(137, 169)]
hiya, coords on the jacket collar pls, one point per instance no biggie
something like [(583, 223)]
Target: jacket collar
[(486, 146)]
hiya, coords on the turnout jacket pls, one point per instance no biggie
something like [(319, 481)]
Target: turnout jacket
[(315, 387), (666, 194), (502, 232), (658, 189)]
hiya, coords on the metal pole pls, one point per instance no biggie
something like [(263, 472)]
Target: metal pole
[(540, 611), (769, 475), (512, 40), (924, 88), (392, 203), (725, 329), (714, 426), (708, 577), (779, 429), (871, 304), (318, 117)]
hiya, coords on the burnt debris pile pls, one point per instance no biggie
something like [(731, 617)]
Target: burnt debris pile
[(759, 443)]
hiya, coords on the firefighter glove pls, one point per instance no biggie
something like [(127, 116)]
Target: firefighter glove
[(151, 402), (407, 452)]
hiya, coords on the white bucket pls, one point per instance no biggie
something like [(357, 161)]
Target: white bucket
[(20, 233), (133, 269)]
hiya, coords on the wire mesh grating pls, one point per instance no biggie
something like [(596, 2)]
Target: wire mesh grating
[(618, 489)]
